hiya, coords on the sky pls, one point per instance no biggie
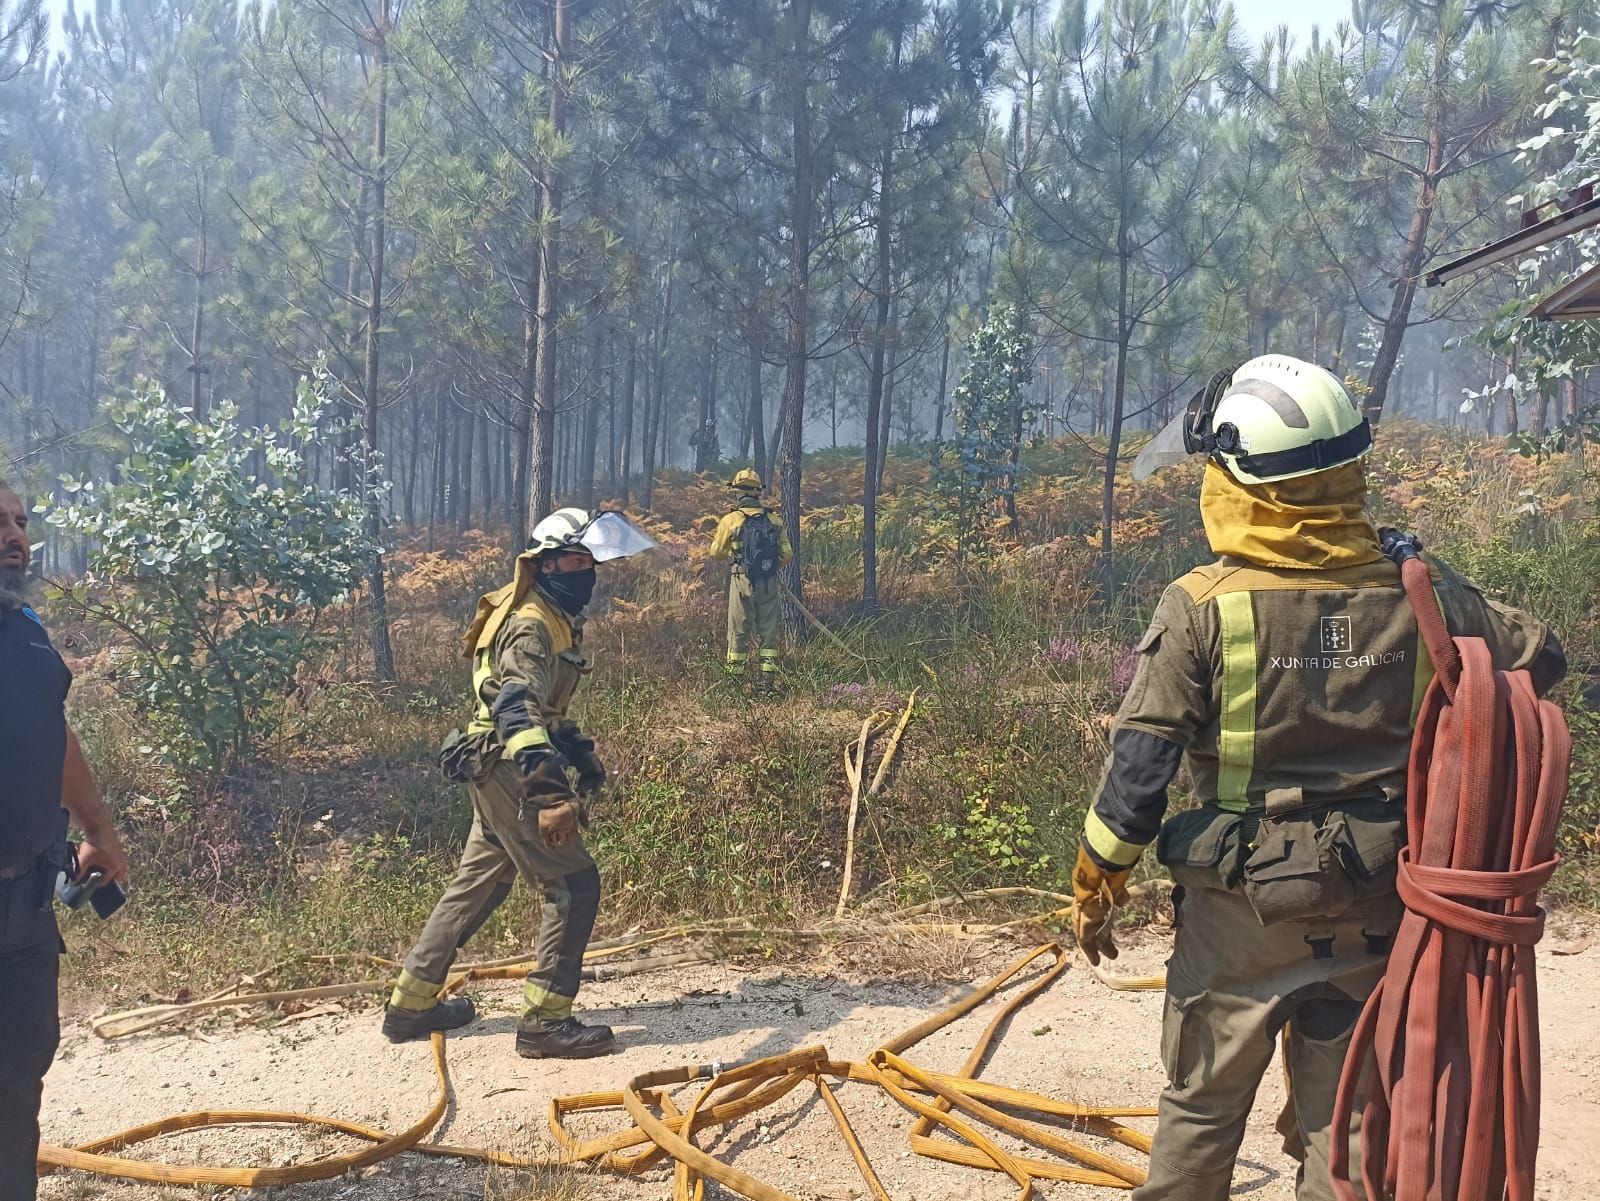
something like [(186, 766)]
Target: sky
[(1260, 17)]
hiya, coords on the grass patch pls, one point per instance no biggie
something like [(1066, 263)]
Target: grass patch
[(339, 838)]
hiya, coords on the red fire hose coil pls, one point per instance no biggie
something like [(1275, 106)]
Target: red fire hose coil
[(1444, 1062)]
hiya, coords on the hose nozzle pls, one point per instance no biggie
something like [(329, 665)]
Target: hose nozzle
[(1399, 546)]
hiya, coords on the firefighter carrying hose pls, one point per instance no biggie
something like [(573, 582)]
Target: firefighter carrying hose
[(1287, 677), (753, 537), (526, 648)]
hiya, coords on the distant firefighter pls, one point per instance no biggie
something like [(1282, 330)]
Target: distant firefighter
[(753, 537)]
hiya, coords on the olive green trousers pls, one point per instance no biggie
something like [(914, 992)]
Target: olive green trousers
[(503, 844), (1234, 988), (752, 610)]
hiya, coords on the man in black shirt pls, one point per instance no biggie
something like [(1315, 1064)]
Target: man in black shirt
[(43, 771)]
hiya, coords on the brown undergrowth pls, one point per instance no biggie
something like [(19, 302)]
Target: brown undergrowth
[(340, 835)]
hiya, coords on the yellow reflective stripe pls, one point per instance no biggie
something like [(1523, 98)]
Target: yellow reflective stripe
[(1107, 846), (413, 994), (1236, 736), (769, 653), (523, 739), (482, 672), (539, 1002)]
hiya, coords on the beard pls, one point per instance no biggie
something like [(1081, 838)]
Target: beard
[(14, 587)]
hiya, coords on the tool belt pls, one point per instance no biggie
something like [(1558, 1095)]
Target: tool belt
[(468, 755), (1292, 862)]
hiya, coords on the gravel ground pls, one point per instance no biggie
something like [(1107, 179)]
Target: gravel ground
[(1078, 1041)]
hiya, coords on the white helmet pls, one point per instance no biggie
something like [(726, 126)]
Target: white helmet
[(1279, 418), (562, 530), (605, 535)]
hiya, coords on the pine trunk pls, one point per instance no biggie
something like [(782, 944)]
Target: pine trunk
[(629, 381), (382, 651), (797, 349), (541, 485)]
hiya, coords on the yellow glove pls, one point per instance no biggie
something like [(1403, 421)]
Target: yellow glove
[(1097, 893)]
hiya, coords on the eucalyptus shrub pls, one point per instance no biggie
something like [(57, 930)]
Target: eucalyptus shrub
[(215, 554), (975, 472)]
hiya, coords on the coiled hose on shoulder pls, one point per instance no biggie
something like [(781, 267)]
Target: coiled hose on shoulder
[(1444, 1062)]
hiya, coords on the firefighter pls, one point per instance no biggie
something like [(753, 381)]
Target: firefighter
[(753, 537), (528, 658), (1286, 676)]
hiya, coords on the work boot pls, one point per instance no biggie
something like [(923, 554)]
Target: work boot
[(567, 1039), (404, 1025)]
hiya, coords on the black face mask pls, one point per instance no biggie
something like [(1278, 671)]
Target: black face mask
[(569, 589)]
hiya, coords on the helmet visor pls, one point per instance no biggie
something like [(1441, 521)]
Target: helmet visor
[(612, 536), (1166, 449), (1189, 433)]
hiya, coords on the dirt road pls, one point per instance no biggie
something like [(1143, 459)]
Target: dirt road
[(1079, 1041)]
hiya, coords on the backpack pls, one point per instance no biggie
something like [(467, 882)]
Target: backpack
[(760, 550)]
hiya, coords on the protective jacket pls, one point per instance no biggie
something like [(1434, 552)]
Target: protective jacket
[(728, 541), (1288, 673), (527, 662), (1287, 676)]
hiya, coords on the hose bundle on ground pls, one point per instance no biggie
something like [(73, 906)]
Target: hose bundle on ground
[(959, 1106), (1444, 1063)]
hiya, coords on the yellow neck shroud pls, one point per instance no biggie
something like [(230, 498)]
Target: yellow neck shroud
[(1310, 523), (496, 606)]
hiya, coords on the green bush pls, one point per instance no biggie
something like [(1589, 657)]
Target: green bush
[(975, 471), (215, 551)]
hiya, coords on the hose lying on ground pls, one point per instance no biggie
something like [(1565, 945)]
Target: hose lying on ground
[(662, 1130), (1444, 1063)]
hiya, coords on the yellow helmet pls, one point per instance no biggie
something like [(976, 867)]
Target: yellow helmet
[(745, 480), (1280, 417)]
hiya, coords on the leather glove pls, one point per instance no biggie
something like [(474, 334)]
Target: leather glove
[(591, 773), (1097, 893), (578, 748), (558, 823)]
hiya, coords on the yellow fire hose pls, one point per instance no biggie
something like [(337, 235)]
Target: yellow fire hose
[(663, 1130)]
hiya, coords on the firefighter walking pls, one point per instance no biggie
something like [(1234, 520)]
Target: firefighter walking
[(753, 537), (1287, 677), (528, 658)]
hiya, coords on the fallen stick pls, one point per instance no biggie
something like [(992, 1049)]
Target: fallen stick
[(854, 773)]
